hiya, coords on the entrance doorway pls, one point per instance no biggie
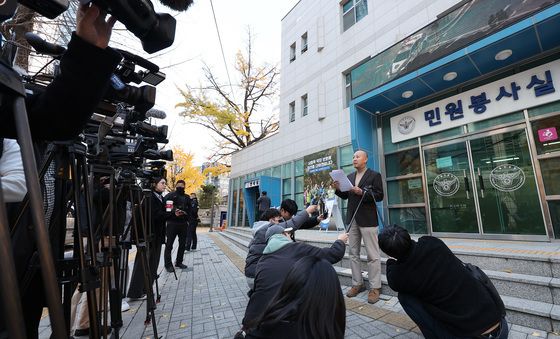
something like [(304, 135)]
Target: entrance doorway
[(483, 184)]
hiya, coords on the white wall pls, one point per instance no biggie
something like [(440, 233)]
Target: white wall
[(319, 72)]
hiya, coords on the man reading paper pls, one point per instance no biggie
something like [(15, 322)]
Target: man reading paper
[(367, 184)]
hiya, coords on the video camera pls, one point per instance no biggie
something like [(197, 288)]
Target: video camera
[(156, 31)]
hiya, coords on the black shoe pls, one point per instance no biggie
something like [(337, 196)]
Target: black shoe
[(82, 332), (169, 269), (181, 266)]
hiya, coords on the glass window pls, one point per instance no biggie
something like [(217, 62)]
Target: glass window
[(442, 135), (406, 191), (277, 172), (286, 196), (544, 109), (413, 219), (554, 207), (292, 111), (299, 167), (287, 186), (348, 169), (299, 184), (346, 155), (299, 201), (293, 52), (348, 88), (546, 133), (304, 42), (491, 123), (287, 170), (361, 9), (352, 12), (403, 163), (304, 105), (241, 212), (233, 218), (550, 169)]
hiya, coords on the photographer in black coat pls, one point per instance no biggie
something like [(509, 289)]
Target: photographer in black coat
[(179, 209), (157, 237), (437, 291)]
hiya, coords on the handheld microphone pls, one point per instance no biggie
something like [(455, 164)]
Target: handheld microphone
[(177, 5), (42, 46), (156, 113)]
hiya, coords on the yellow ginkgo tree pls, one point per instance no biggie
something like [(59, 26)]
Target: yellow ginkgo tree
[(233, 112), (182, 168)]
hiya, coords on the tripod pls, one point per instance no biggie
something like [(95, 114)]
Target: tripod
[(14, 92), (140, 226)]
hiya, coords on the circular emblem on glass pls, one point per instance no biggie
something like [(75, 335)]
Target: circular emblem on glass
[(446, 184), (406, 125), (507, 178)]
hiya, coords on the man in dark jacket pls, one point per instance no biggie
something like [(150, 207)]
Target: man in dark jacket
[(368, 188), (157, 237), (263, 203), (288, 207), (177, 224), (279, 255), (436, 290), (193, 222)]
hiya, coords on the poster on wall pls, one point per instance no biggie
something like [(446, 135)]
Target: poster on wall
[(317, 188)]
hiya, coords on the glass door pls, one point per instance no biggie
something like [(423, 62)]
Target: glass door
[(449, 182), (506, 185)]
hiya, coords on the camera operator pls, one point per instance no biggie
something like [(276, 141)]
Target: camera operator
[(65, 107), (157, 238), (178, 205), (85, 69)]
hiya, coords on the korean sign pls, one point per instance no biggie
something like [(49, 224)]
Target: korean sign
[(515, 93)]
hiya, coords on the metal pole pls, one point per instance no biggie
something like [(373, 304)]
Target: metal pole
[(8, 282), (48, 271)]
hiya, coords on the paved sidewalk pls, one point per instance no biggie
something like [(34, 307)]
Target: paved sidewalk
[(208, 301)]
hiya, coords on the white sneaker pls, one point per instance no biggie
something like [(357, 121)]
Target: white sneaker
[(124, 306)]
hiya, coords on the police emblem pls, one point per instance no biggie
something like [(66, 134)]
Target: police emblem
[(446, 184), (406, 125), (507, 178)]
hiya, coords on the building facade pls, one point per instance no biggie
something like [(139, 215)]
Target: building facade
[(454, 101)]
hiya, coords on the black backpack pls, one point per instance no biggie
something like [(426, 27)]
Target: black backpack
[(479, 275)]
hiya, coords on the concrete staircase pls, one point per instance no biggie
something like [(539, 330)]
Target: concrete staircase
[(528, 282)]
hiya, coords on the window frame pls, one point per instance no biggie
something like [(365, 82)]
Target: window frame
[(304, 105), (304, 43), (293, 52), (292, 111), (354, 11)]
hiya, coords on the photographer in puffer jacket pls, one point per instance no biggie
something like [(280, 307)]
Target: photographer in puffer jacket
[(288, 208)]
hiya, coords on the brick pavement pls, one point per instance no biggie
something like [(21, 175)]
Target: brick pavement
[(209, 298)]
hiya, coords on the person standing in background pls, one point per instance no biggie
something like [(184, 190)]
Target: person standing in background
[(193, 222)]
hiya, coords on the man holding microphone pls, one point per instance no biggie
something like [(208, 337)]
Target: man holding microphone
[(362, 221)]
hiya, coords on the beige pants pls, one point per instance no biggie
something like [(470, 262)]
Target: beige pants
[(369, 235)]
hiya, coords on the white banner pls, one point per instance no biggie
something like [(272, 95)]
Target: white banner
[(515, 93)]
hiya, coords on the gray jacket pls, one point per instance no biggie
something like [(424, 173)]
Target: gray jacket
[(257, 245)]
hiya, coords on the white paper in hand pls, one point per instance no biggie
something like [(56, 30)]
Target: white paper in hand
[(344, 184)]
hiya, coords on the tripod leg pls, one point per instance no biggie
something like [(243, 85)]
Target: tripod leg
[(150, 305), (36, 202), (87, 267), (8, 283)]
